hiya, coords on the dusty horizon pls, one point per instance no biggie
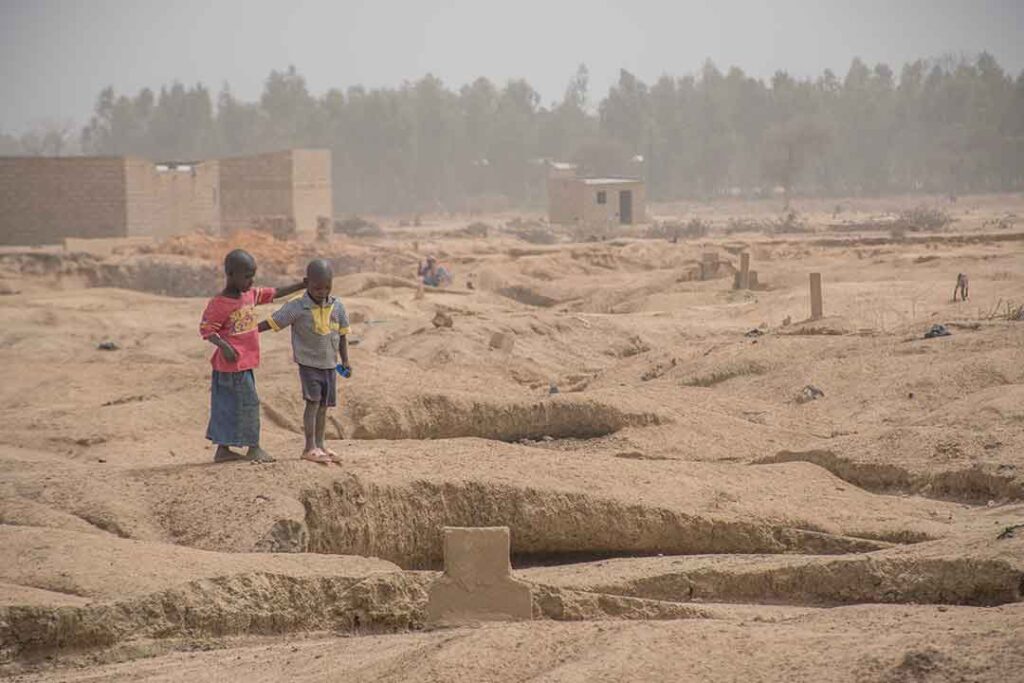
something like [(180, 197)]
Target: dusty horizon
[(80, 49)]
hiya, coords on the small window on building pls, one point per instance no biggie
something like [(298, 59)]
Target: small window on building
[(602, 197)]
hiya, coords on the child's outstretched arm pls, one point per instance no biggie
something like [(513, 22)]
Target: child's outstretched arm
[(290, 289), (282, 317)]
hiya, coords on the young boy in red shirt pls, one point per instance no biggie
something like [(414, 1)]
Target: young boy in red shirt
[(229, 323)]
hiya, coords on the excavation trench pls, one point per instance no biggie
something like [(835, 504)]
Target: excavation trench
[(970, 485), (402, 524), (824, 582), (437, 416)]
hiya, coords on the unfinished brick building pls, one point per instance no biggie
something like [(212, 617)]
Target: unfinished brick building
[(45, 200)]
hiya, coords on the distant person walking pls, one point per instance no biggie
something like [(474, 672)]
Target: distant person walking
[(961, 286)]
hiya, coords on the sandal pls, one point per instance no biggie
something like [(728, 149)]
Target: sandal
[(316, 455), (225, 454)]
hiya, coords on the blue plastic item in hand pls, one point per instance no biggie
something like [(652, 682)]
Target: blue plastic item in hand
[(344, 370)]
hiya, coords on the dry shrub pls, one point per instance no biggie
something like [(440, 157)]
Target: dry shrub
[(790, 223), (676, 230), (923, 218), (736, 225), (354, 226), (1001, 222), (477, 229), (537, 235)]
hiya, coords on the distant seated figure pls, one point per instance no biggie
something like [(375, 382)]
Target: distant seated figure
[(961, 286), (433, 274)]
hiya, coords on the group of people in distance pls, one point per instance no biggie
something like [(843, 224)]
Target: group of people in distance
[(319, 334)]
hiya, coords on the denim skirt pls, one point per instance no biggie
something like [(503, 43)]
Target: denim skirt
[(234, 409)]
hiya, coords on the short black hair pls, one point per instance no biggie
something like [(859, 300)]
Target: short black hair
[(238, 258), (319, 269)]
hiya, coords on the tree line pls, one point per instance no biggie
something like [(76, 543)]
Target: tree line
[(952, 125)]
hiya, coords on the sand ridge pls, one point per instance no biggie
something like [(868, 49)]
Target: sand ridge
[(681, 511)]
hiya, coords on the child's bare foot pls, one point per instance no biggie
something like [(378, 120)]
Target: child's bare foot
[(259, 456), (334, 457), (225, 454), (316, 455)]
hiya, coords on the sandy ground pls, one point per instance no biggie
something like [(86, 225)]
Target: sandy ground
[(681, 511)]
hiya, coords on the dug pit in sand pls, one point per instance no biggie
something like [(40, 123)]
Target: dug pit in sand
[(477, 583)]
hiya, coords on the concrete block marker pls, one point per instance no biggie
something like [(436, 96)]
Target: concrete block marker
[(816, 296), (744, 271), (708, 265), (477, 583)]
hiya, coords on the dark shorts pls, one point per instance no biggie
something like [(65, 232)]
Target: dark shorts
[(319, 386), (234, 409)]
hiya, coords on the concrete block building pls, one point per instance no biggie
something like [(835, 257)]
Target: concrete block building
[(596, 201), (46, 200), (293, 184)]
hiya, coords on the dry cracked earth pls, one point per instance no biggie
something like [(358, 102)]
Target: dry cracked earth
[(680, 510)]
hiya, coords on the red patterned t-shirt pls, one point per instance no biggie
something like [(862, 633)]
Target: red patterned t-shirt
[(235, 321)]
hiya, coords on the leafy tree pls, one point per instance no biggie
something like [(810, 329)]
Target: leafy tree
[(944, 125)]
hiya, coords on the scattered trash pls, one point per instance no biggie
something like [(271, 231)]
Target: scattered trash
[(937, 331), (637, 455), (754, 333), (787, 321), (100, 460), (108, 346), (910, 395), (1009, 532), (810, 393), (126, 399), (442, 319), (553, 389)]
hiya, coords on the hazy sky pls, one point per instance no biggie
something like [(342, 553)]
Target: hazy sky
[(56, 55)]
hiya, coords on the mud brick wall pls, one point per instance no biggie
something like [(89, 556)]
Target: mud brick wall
[(172, 201), (311, 187), (255, 187), (44, 200)]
